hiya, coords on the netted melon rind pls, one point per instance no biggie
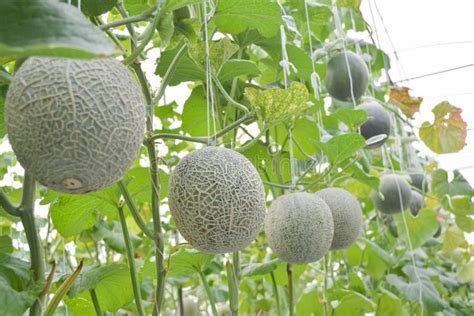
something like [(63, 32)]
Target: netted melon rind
[(378, 123), (217, 200), (395, 189), (347, 216), (299, 227), (339, 83), (76, 125)]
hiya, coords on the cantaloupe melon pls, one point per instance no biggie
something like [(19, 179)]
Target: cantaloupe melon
[(217, 200), (76, 125), (396, 194), (420, 181), (299, 227), (377, 124), (416, 203), (345, 83), (347, 216)]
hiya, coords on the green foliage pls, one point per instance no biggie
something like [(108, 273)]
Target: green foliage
[(375, 275), (61, 31)]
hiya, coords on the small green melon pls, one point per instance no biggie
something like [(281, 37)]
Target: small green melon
[(396, 194), (299, 227), (217, 200), (75, 124), (347, 216), (416, 203), (420, 181), (339, 77), (377, 124)]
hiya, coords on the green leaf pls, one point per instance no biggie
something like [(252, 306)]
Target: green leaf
[(360, 175), (352, 118), (421, 228), (171, 5), (81, 304), (6, 244), (3, 93), (62, 30), (353, 4), (135, 7), (465, 223), (341, 147), (139, 184), (17, 291), (454, 238), (458, 186), (73, 214), (466, 272), (94, 7), (260, 268), (113, 237), (237, 67), (353, 303), (447, 134), (166, 28), (219, 53), (194, 118), (111, 283), (186, 68), (276, 105), (389, 304), (186, 262), (236, 16), (309, 304)]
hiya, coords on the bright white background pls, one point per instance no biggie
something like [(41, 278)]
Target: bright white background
[(429, 36)]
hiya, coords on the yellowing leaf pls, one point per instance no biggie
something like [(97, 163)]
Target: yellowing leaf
[(400, 96), (447, 134), (276, 105)]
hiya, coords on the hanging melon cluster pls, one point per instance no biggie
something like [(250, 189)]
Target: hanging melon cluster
[(75, 125)]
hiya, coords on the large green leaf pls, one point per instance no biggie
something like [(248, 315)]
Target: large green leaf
[(49, 28), (71, 215), (111, 283), (171, 5), (17, 292), (341, 147), (6, 244), (235, 16), (186, 262), (93, 7), (420, 228), (276, 105), (195, 121), (237, 67), (260, 268), (186, 68), (353, 303), (113, 237), (453, 239), (389, 304), (353, 4), (440, 184), (447, 134)]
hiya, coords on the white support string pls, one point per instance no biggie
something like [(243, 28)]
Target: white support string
[(388, 159), (210, 105), (315, 80), (340, 35)]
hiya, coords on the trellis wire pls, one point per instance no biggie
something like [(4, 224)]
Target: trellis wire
[(210, 106), (315, 80), (340, 35), (405, 224)]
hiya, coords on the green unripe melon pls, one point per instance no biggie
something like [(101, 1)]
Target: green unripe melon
[(347, 216), (299, 227), (76, 125), (396, 194), (416, 203), (377, 124), (419, 181), (93, 7), (217, 200), (338, 76)]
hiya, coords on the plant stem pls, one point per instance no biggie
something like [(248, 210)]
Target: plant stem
[(275, 292), (134, 210), (229, 99), (180, 301), (95, 301), (36, 254), (210, 296), (233, 288), (131, 262), (8, 206), (325, 289), (131, 19), (291, 308)]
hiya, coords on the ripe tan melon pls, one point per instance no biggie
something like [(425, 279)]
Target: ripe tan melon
[(347, 216), (76, 125), (299, 227), (217, 200)]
